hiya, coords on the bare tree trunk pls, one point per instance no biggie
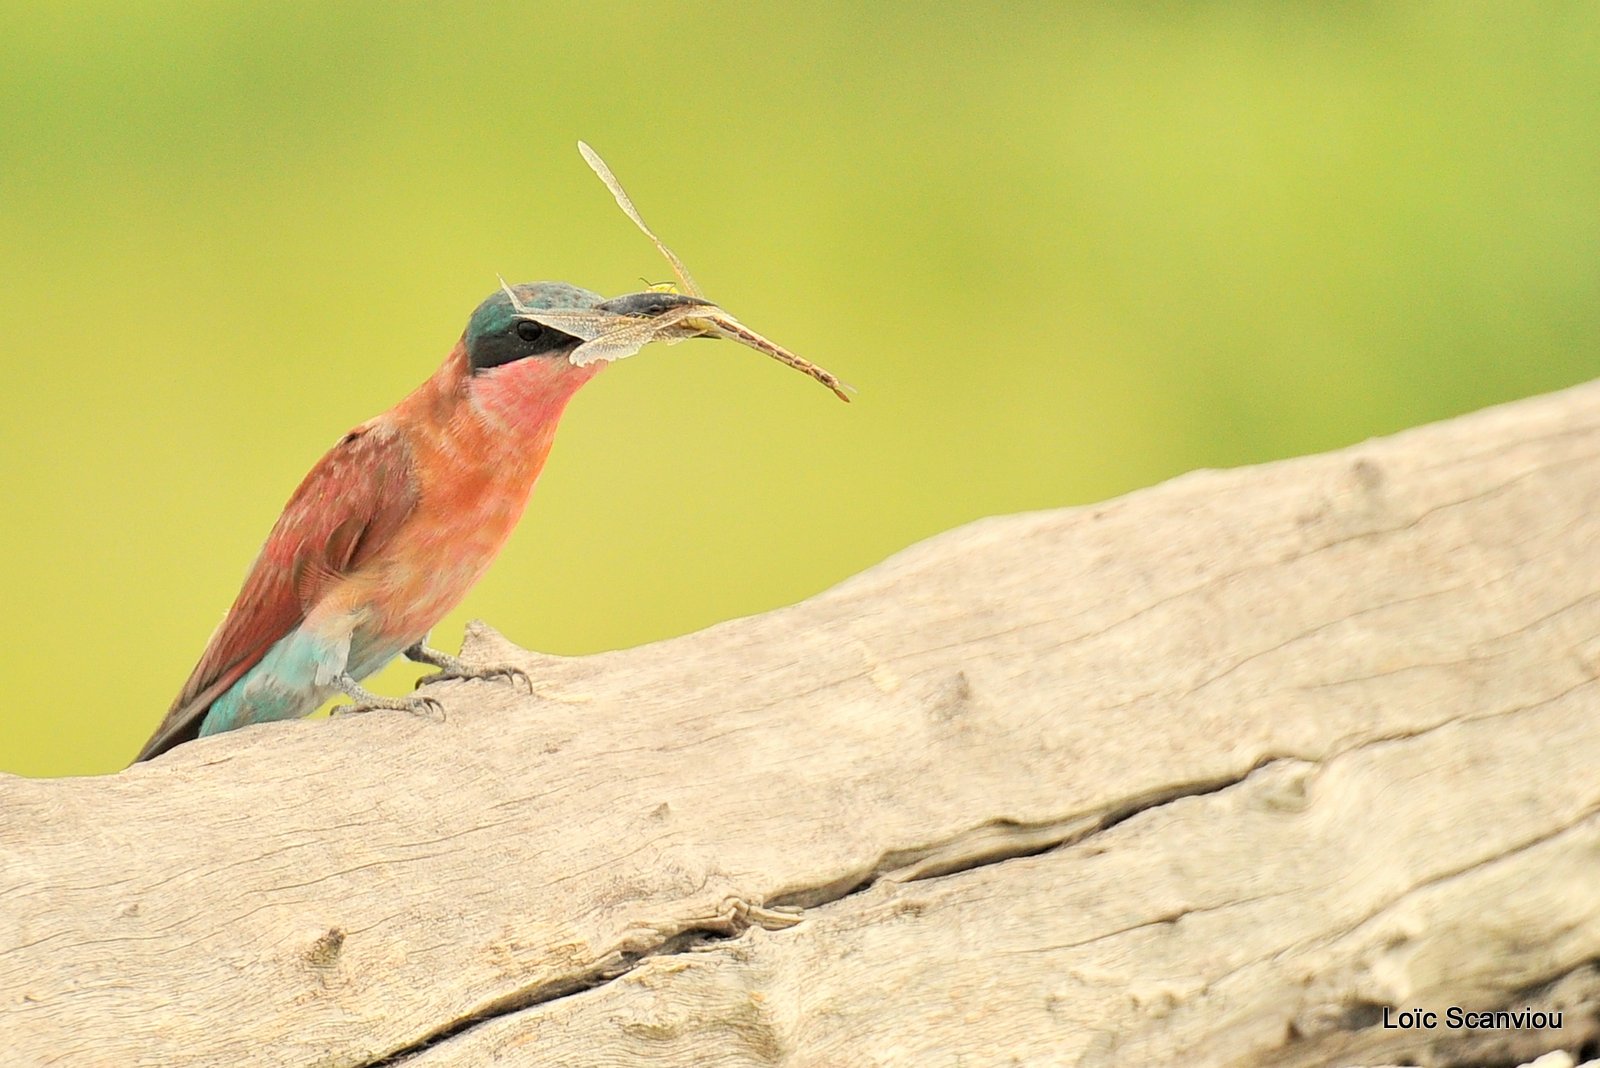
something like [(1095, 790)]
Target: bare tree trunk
[(1230, 771)]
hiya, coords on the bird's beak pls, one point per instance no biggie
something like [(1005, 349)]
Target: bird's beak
[(649, 304), (655, 315)]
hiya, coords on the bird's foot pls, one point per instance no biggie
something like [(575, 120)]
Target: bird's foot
[(364, 700), (511, 674), (453, 667)]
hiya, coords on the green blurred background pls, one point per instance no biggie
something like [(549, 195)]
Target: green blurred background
[(1063, 250)]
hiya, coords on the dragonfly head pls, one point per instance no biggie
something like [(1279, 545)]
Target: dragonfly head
[(649, 304)]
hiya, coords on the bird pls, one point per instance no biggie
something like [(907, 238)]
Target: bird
[(391, 527), (405, 513)]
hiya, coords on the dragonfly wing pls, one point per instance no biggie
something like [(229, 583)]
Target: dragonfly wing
[(628, 336), (623, 340), (625, 202)]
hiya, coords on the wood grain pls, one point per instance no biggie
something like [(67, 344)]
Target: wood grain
[(1209, 774)]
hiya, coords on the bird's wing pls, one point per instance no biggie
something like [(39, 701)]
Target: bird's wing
[(343, 513)]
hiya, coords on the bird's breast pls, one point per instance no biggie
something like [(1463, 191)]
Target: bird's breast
[(472, 488)]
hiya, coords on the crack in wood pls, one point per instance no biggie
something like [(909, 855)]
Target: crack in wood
[(993, 842), (1405, 711)]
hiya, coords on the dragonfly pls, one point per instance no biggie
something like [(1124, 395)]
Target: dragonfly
[(662, 313)]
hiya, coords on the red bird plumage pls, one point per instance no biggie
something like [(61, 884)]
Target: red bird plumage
[(389, 530)]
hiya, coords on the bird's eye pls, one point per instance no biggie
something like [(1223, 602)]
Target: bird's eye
[(528, 331)]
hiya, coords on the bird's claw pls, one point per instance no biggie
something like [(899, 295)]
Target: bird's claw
[(416, 706), (465, 673)]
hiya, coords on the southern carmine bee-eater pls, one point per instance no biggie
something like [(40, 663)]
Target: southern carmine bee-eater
[(400, 518)]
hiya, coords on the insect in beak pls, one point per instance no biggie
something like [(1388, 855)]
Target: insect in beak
[(619, 327)]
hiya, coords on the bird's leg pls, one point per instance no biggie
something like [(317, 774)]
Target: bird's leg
[(366, 701), (453, 667)]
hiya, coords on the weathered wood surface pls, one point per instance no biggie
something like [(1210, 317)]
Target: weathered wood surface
[(1287, 745)]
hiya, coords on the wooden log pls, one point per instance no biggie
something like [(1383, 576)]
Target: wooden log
[(1221, 772)]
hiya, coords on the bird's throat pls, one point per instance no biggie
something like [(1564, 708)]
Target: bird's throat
[(526, 398), (503, 419), (478, 443)]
